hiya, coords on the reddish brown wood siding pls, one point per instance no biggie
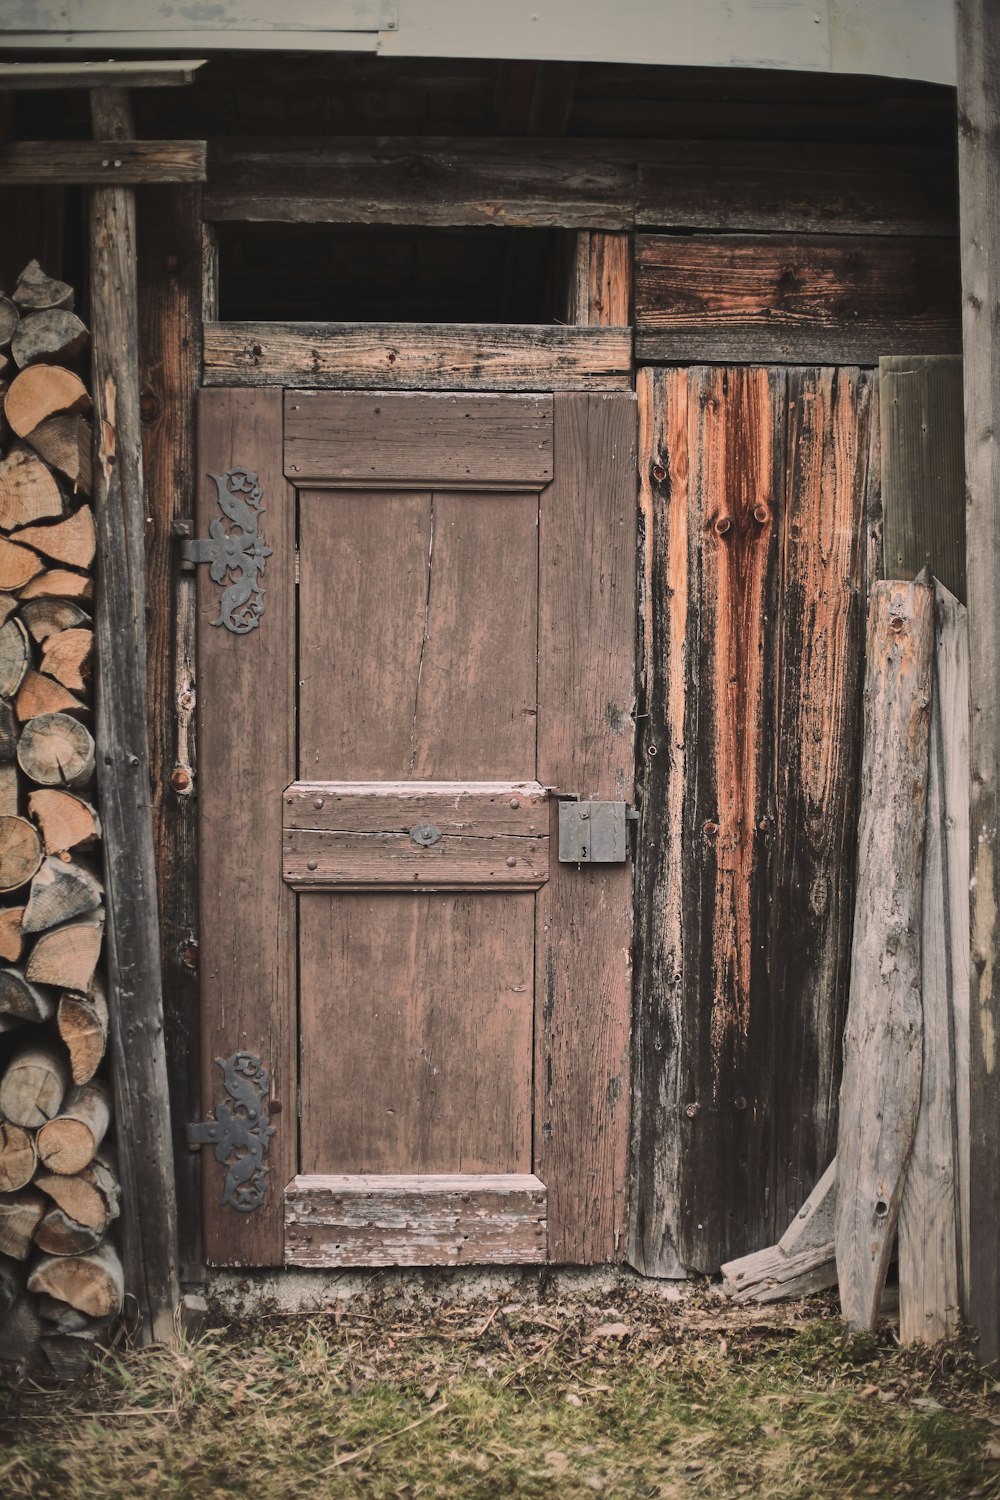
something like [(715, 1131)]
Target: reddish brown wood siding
[(755, 486)]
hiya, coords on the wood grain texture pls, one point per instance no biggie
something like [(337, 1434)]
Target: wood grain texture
[(454, 1220), (247, 758), (932, 1228), (880, 1092), (587, 184), (978, 153), (923, 467), (99, 162), (341, 835), (169, 231), (666, 406), (801, 300), (602, 281), (755, 497), (416, 1022), (442, 684), (132, 946), (832, 440), (417, 439), (586, 685), (409, 356)]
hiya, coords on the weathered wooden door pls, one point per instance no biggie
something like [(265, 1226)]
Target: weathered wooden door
[(434, 638)]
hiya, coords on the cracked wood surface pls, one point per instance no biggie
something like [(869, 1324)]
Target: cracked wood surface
[(880, 1092), (453, 1220)]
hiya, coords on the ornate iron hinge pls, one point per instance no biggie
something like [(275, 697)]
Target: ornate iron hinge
[(240, 1135), (239, 553)]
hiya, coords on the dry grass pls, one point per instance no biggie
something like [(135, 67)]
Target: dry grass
[(533, 1396)]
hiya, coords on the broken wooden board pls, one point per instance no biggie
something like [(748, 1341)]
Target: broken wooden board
[(445, 1220), (880, 1093), (803, 1260)]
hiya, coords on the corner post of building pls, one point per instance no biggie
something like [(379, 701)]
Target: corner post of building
[(133, 941), (979, 187)]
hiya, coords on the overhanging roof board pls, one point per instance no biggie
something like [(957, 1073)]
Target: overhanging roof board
[(85, 75), (890, 38)]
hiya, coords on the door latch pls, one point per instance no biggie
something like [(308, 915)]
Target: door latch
[(593, 833)]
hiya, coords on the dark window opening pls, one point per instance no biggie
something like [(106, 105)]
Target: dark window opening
[(391, 274)]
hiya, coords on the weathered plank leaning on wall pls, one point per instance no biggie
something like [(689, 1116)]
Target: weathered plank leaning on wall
[(978, 152), (755, 499)]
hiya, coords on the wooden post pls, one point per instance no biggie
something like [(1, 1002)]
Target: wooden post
[(170, 314), (979, 190), (133, 946)]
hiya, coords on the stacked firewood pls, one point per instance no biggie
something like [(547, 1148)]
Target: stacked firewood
[(60, 1275)]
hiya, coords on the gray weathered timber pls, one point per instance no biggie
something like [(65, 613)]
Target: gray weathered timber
[(923, 467), (411, 356), (930, 1216), (421, 438), (777, 187), (803, 1260), (169, 226), (979, 190), (799, 299), (880, 1092), (150, 74), (142, 1108), (447, 1220), (95, 162)]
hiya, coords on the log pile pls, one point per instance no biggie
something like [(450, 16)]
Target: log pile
[(61, 1282)]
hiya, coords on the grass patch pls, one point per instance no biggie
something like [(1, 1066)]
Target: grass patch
[(533, 1396)]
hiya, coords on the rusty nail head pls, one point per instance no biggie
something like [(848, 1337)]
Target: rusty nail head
[(710, 829), (180, 779), (896, 623), (317, 802), (761, 513), (311, 864), (659, 473), (722, 525), (511, 861), (514, 802), (692, 1109), (740, 1101)]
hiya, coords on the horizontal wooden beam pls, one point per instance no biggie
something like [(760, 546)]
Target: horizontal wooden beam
[(581, 184), (835, 300), (410, 356), (124, 163), (441, 836), (461, 1219), (92, 75)]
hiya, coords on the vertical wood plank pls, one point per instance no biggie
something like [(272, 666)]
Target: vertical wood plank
[(923, 467), (142, 1110), (246, 738), (932, 1234), (979, 197), (663, 397), (880, 1093), (819, 674), (169, 230), (736, 485), (583, 998), (33, 229), (602, 284)]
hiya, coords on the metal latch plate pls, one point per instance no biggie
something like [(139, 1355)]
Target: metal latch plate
[(592, 833)]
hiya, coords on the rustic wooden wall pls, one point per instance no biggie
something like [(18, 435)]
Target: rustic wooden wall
[(759, 508)]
